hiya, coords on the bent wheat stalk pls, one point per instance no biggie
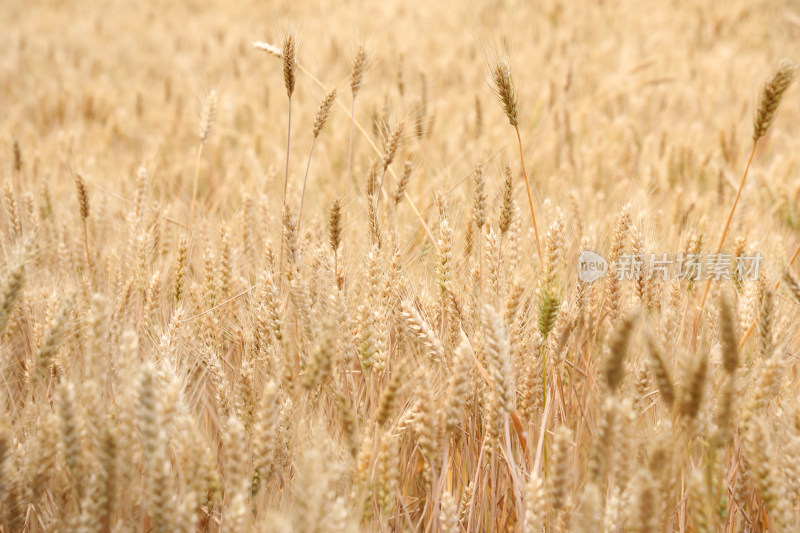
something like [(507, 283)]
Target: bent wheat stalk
[(768, 103)]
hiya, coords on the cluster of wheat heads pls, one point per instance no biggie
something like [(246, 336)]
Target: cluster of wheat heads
[(371, 334)]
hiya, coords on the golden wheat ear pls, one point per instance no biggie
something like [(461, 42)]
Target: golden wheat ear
[(505, 91), (771, 96), (289, 60)]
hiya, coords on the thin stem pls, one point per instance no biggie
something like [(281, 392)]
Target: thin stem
[(350, 148), (791, 262), (229, 300), (380, 189), (336, 267), (419, 216), (543, 356), (86, 248), (196, 179), (288, 145), (540, 444), (480, 261), (512, 469), (722, 241), (286, 180), (528, 189), (305, 179), (476, 480), (439, 484)]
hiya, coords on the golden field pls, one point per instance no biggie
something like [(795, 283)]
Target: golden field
[(294, 266)]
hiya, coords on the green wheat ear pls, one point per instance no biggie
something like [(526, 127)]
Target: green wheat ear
[(548, 310)]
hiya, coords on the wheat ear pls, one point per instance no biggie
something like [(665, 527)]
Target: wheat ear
[(356, 79)]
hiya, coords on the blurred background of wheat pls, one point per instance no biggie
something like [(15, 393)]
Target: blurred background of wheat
[(177, 365)]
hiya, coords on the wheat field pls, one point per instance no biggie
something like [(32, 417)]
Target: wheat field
[(406, 266)]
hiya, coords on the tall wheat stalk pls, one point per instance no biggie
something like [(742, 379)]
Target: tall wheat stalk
[(768, 103), (289, 60), (507, 94)]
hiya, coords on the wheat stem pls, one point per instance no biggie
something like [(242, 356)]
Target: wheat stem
[(528, 189), (305, 179), (722, 240), (350, 143), (196, 179)]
